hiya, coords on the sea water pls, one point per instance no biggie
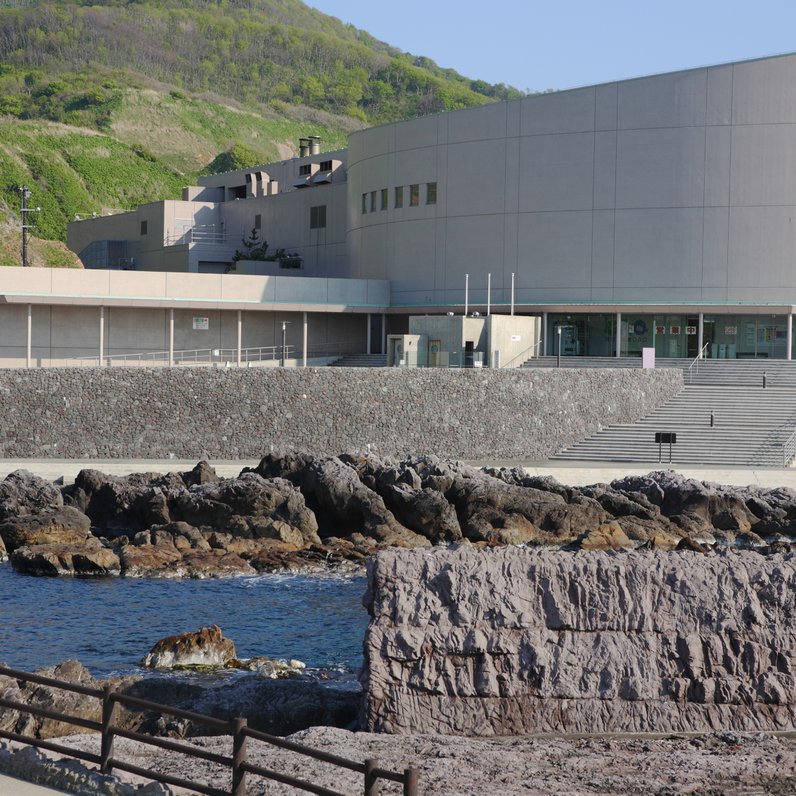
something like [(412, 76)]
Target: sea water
[(109, 624)]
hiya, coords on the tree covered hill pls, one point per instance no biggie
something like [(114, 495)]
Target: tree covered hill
[(254, 51), (105, 104)]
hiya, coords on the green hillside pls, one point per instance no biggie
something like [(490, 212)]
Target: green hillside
[(105, 105)]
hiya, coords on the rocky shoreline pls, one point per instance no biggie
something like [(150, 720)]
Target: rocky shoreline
[(302, 513)]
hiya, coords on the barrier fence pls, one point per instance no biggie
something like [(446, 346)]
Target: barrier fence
[(237, 728)]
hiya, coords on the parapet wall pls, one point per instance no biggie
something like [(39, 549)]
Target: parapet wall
[(513, 641), (230, 413)]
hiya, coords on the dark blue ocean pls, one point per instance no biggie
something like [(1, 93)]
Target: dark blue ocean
[(110, 624)]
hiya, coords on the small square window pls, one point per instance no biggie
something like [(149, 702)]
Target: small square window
[(143, 227), (414, 195), (384, 198), (364, 203), (373, 201), (431, 193), (326, 165), (318, 217), (305, 169), (399, 196)]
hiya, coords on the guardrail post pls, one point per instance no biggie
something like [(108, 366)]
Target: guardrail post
[(371, 780), (106, 748), (238, 757), (410, 782)]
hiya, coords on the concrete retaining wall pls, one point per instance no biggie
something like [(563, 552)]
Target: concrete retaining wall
[(231, 413)]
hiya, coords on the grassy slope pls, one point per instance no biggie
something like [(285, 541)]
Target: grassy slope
[(188, 133)]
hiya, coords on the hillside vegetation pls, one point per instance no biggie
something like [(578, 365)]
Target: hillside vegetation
[(107, 104)]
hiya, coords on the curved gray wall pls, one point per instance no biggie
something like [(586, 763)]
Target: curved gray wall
[(667, 188), (231, 413)]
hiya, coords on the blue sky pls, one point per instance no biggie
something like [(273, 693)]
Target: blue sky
[(557, 45)]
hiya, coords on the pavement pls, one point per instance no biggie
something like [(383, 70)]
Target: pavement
[(570, 473), (9, 786)]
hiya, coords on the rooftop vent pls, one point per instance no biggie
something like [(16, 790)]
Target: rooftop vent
[(311, 145)]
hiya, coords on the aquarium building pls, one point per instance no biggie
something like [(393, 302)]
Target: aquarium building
[(653, 212)]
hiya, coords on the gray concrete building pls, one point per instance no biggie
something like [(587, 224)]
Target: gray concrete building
[(652, 212)]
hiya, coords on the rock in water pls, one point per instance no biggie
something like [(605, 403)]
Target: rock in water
[(513, 641), (205, 647), (65, 525)]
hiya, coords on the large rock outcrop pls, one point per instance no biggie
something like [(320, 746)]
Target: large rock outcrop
[(296, 511), (513, 641)]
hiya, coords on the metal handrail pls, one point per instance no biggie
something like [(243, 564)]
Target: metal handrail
[(194, 355), (200, 234), (237, 729), (695, 363), (789, 449), (526, 354)]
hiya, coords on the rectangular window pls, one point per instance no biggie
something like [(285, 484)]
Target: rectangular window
[(258, 221), (326, 165), (364, 203), (399, 196), (383, 198), (414, 195), (305, 170), (143, 227), (318, 217), (431, 193), (373, 201)]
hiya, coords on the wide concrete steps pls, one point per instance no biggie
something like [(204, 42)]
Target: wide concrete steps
[(750, 426), (722, 372), (361, 361)]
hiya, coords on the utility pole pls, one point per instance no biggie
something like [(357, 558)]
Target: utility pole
[(24, 210)]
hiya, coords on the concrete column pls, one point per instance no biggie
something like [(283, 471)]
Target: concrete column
[(171, 337), (701, 333), (368, 334), (789, 342), (543, 352), (304, 339), (29, 355), (102, 336), (618, 334), (240, 336)]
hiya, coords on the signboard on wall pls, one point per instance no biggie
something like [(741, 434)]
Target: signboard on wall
[(201, 324), (690, 330), (660, 330), (674, 330), (515, 338)]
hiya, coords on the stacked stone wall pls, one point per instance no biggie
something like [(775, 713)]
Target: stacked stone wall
[(231, 413)]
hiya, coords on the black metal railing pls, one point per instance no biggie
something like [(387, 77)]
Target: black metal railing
[(238, 729)]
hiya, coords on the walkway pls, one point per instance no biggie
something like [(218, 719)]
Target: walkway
[(572, 473), (17, 787)]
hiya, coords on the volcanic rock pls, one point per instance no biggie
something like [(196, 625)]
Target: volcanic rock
[(64, 525), (91, 559), (277, 706), (58, 700), (511, 641), (609, 536), (344, 505), (204, 647), (23, 493)]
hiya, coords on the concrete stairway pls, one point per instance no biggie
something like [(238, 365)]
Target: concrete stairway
[(361, 361), (751, 423)]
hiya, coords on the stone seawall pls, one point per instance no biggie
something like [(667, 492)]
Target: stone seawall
[(513, 641), (244, 413)]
